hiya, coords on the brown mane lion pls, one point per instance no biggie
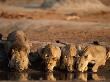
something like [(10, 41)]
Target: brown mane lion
[(18, 48)]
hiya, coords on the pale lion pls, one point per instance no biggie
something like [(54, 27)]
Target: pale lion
[(94, 54), (18, 48), (50, 55)]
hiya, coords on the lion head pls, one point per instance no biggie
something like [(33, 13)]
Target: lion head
[(84, 60), (19, 60), (51, 54), (50, 76), (68, 56), (16, 38)]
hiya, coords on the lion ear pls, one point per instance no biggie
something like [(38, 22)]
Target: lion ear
[(78, 56), (108, 55), (86, 56), (43, 50), (13, 50), (79, 47)]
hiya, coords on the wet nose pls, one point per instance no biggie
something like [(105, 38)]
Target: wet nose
[(69, 68), (81, 64), (48, 70), (48, 67)]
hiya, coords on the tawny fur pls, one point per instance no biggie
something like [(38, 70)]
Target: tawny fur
[(19, 61), (50, 55), (68, 57), (18, 49), (93, 54)]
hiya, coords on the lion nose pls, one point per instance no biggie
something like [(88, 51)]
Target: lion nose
[(48, 67), (48, 70), (69, 68), (81, 64)]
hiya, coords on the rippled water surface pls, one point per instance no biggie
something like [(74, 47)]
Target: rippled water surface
[(37, 75)]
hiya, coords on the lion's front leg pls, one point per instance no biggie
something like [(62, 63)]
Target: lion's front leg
[(95, 67)]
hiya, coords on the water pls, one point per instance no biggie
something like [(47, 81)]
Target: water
[(38, 75)]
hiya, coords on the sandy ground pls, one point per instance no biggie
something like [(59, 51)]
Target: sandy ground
[(50, 31)]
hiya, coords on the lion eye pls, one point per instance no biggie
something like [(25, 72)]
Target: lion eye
[(46, 55), (54, 58), (86, 56), (65, 56)]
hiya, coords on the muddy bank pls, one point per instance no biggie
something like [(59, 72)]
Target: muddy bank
[(50, 31), (46, 30)]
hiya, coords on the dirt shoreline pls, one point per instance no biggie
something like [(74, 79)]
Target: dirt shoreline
[(52, 30)]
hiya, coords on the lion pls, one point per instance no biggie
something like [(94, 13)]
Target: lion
[(50, 55), (18, 49), (94, 54), (68, 57)]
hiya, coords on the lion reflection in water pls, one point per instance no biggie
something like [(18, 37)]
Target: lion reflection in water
[(90, 76), (72, 76), (50, 76), (18, 76)]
